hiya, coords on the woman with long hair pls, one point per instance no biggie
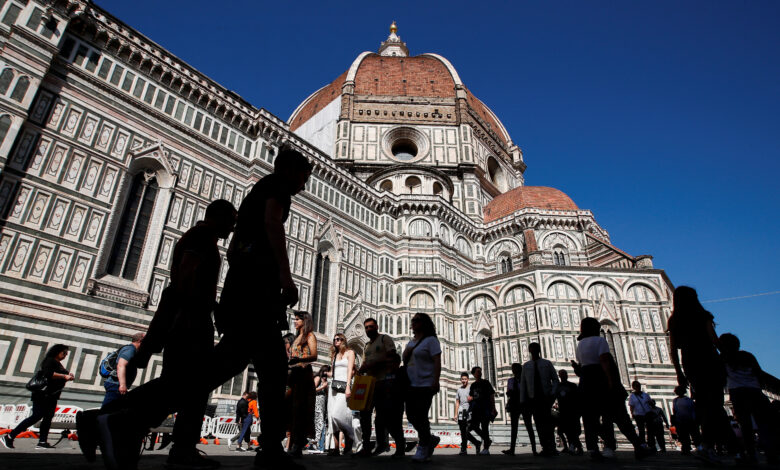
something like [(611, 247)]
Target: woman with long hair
[(422, 357), (692, 333), (320, 406), (339, 414), (603, 395), (45, 401), (303, 351)]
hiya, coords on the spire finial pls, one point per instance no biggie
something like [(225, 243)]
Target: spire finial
[(393, 46), (393, 28)]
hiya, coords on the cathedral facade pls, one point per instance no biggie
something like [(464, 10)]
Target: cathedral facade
[(111, 148)]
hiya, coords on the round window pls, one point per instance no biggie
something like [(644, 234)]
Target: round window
[(404, 149)]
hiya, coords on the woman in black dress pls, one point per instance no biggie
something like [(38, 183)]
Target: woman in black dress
[(45, 401)]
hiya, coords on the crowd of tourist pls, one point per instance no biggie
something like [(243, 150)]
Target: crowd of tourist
[(315, 411)]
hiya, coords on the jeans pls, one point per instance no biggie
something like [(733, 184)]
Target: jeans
[(465, 435), (641, 427), (43, 408), (112, 392), (418, 403), (246, 430), (602, 408)]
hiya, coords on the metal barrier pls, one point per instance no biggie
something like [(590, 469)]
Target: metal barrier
[(225, 427)]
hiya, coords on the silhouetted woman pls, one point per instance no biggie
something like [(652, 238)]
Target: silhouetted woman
[(603, 395), (692, 332), (301, 380), (45, 401), (422, 357), (339, 414)]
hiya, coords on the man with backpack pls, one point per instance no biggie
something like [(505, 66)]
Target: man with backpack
[(121, 371)]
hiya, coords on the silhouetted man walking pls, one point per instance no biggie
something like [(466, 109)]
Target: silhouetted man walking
[(257, 290)]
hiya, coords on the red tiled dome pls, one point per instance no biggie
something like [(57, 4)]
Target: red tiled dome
[(537, 197), (425, 76)]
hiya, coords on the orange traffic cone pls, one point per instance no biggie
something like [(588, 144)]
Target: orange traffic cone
[(216, 441), (204, 441)]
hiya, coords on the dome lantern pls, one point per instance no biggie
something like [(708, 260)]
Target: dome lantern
[(393, 46)]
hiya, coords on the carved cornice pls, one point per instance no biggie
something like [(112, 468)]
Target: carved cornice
[(106, 290)]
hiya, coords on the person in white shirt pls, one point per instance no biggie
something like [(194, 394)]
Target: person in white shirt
[(422, 357), (603, 395), (462, 412), (538, 386), (639, 403)]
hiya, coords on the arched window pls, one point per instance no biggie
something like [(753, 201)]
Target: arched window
[(496, 174), (386, 185), (599, 290), (488, 360), (420, 228), (504, 263), (463, 246), (444, 234), (414, 185), (20, 89), (421, 300), (449, 305), (480, 303), (5, 124), (560, 256), (437, 188), (319, 308), (5, 80), (133, 225)]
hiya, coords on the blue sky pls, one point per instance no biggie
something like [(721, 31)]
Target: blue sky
[(661, 117)]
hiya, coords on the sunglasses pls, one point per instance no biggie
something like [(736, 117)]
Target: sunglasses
[(338, 339)]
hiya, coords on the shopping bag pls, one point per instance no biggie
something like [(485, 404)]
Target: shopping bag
[(362, 392)]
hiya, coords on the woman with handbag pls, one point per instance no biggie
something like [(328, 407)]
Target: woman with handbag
[(339, 414), (46, 387), (422, 358)]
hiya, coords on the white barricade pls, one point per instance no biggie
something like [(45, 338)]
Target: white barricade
[(20, 412), (206, 427), (255, 427), (6, 416), (225, 427), (445, 437), (64, 415)]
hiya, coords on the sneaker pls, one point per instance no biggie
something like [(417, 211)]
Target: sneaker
[(463, 451), (485, 451), (508, 452), (422, 454), (8, 443), (608, 453), (333, 453), (86, 430), (190, 459), (240, 449), (399, 453), (44, 445)]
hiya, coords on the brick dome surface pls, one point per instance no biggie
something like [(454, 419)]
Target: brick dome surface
[(425, 76), (524, 197)]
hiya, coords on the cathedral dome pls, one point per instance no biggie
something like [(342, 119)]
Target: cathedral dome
[(391, 73), (525, 197)]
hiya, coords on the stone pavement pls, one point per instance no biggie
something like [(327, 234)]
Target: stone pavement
[(67, 457)]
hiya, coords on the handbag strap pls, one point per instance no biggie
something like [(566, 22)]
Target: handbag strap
[(415, 346)]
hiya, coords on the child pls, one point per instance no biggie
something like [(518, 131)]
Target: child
[(656, 419), (684, 419), (743, 380)]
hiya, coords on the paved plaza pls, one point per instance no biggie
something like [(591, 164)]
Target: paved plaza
[(67, 457)]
